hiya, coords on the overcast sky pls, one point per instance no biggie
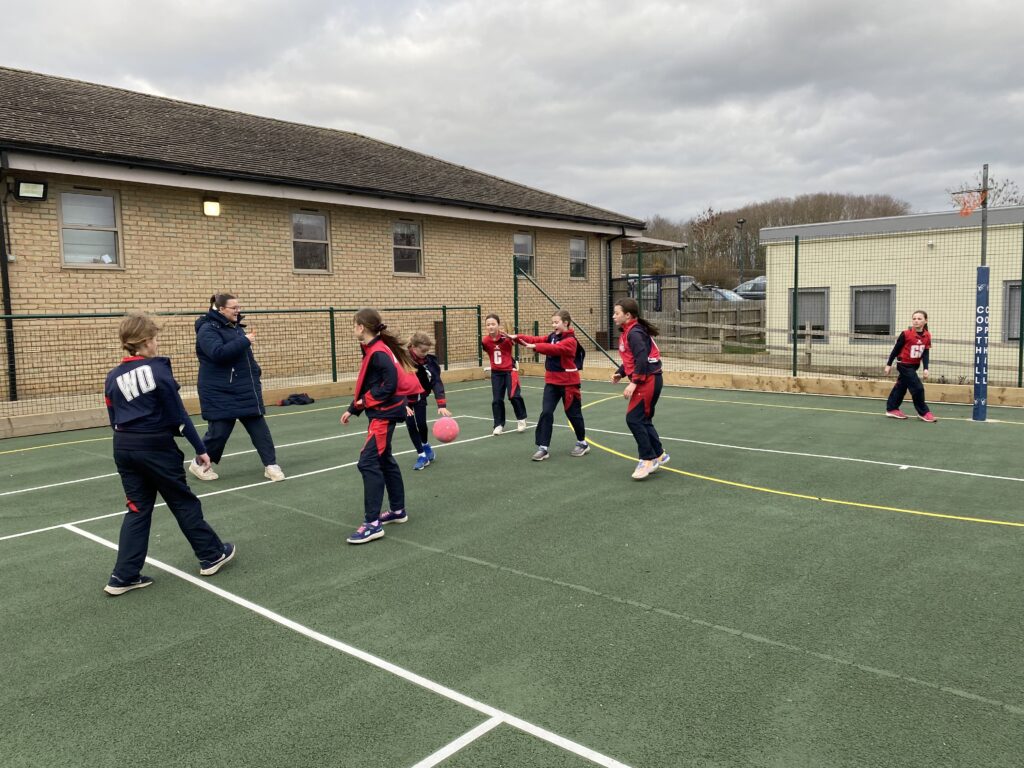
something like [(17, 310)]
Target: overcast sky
[(640, 107)]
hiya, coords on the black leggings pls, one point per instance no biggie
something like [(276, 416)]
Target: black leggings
[(907, 380)]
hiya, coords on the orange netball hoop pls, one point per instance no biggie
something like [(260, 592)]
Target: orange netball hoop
[(969, 202)]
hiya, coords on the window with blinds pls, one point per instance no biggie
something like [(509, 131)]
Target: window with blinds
[(872, 312), (812, 314), (1011, 318)]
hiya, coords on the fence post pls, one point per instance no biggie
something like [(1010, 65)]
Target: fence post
[(536, 332), (444, 325), (709, 321), (334, 348), (515, 295), (479, 336), (1020, 313), (796, 294)]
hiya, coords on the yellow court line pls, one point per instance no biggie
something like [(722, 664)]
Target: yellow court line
[(808, 497), (812, 408)]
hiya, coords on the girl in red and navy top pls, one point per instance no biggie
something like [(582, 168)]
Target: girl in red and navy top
[(146, 414), (561, 382), (641, 364), (504, 376), (378, 392), (428, 371), (910, 353)]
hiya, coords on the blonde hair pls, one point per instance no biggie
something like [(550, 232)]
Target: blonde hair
[(136, 329), (420, 339)]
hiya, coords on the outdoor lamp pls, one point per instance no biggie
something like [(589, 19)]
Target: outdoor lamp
[(30, 190), (211, 206)]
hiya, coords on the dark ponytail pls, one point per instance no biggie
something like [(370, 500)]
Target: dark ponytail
[(370, 319), (631, 307)]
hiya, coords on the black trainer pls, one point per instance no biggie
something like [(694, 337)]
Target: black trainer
[(118, 586), (210, 567)]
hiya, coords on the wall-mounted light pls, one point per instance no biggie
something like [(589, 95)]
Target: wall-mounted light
[(34, 191), (931, 243), (211, 206)]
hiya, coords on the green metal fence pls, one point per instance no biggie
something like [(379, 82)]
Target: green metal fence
[(838, 294), (59, 362)]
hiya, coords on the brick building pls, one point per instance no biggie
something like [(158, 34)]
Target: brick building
[(158, 203)]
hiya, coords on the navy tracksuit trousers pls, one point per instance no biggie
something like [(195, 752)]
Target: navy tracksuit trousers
[(148, 465), (380, 470), (219, 430)]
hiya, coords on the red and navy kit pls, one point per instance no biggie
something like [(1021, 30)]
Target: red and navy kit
[(428, 373), (641, 364), (500, 352), (910, 352), (146, 414), (504, 378), (377, 394), (561, 382), (376, 389), (560, 350), (912, 348), (640, 355)]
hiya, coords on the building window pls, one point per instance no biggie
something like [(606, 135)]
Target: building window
[(408, 247), (872, 309), (577, 257), (812, 314), (89, 231), (311, 248), (1011, 311), (522, 248)]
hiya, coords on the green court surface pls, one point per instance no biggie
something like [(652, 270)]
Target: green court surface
[(807, 583)]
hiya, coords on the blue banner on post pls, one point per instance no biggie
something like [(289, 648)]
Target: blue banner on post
[(981, 326)]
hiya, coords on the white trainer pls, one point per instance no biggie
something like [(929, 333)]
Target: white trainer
[(521, 425), (497, 430), (200, 472), (273, 473)]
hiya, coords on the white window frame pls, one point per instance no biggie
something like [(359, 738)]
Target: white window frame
[(585, 261), (882, 339), (419, 258), (1010, 324), (327, 233), (116, 229), (532, 271), (789, 313)]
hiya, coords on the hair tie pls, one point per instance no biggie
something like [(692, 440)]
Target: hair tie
[(381, 327)]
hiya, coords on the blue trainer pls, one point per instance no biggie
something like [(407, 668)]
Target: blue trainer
[(366, 532), (421, 462), (393, 516), (429, 451), (663, 459)]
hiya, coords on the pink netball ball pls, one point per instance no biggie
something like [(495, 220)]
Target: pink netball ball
[(446, 429)]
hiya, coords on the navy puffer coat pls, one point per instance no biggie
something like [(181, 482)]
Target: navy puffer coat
[(229, 377)]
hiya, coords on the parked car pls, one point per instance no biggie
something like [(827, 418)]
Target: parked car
[(753, 289), (723, 294)]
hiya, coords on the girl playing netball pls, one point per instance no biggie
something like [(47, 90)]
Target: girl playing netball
[(910, 353), (504, 376)]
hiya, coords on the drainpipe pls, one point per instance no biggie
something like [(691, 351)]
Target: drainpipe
[(608, 285), (5, 288)]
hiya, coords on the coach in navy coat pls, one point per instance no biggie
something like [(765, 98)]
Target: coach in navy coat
[(229, 385)]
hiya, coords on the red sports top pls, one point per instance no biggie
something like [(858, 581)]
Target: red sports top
[(499, 351)]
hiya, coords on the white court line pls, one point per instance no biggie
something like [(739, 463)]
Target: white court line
[(798, 453), (229, 490), (225, 456), (434, 687), (467, 738)]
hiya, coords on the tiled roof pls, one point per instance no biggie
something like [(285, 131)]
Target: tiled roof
[(71, 118)]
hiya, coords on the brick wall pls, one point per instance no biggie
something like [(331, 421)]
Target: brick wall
[(174, 257)]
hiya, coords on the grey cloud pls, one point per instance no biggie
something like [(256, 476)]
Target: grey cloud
[(643, 107)]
